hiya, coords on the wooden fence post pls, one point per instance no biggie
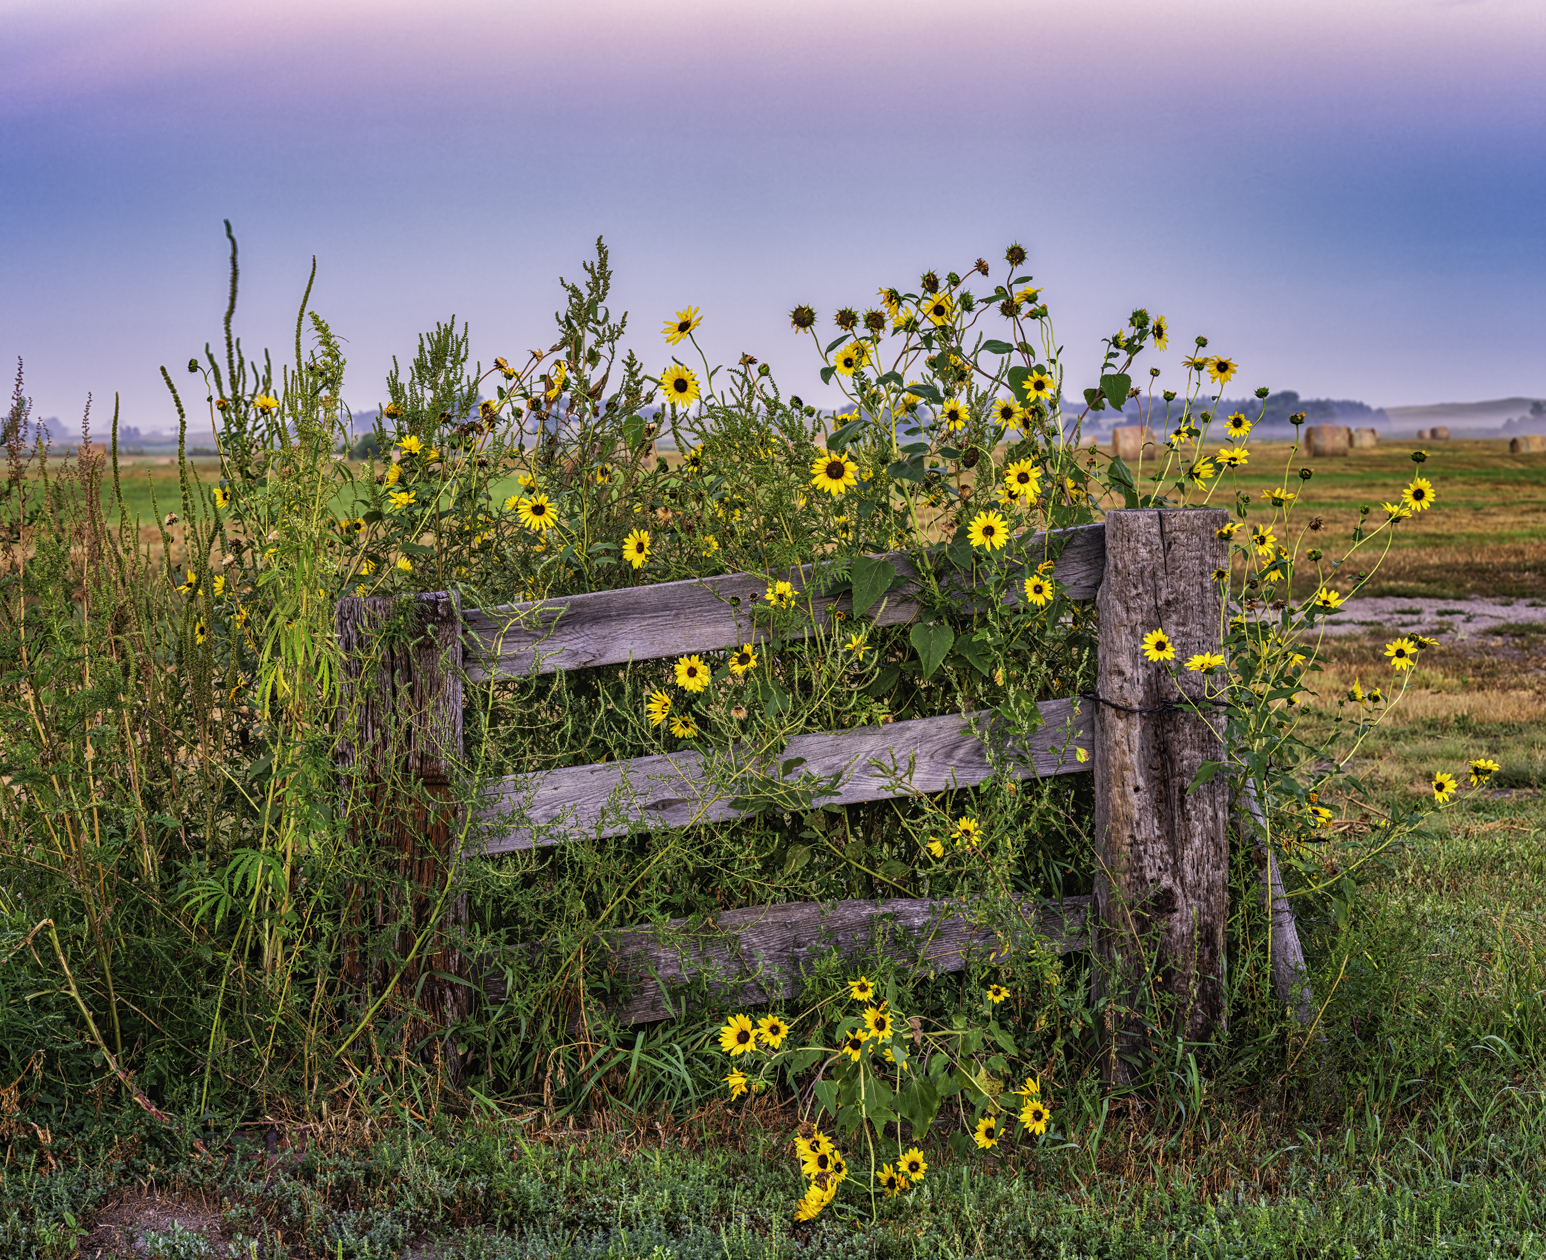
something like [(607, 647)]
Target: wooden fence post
[(402, 703), (1161, 887)]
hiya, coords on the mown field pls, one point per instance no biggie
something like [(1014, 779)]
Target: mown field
[(1424, 1136)]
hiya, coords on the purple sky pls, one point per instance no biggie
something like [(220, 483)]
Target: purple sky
[(1348, 197)]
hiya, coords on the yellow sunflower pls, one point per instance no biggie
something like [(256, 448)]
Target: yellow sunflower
[(1038, 590), (780, 595), (402, 498), (1038, 384), (912, 1164), (939, 309), (1006, 412), (1205, 662), (1158, 647), (1233, 459), (988, 529), (691, 673), (1034, 1116), (1023, 479), (954, 414), (853, 1046), (861, 990), (680, 384), (536, 513), (680, 328), (1237, 426), (1418, 495), (892, 1182), (772, 1031), (1221, 369), (1402, 653), (737, 1082), (1327, 599), (1482, 769), (742, 659), (657, 706), (683, 727), (987, 1132), (1443, 786), (834, 473), (1161, 333), (851, 358), (997, 993), (737, 1036), (877, 1023), (1265, 542), (636, 547), (221, 495)]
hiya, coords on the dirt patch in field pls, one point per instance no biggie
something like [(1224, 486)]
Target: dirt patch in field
[(121, 1229)]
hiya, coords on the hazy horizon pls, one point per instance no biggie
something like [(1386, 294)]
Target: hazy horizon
[(1344, 198)]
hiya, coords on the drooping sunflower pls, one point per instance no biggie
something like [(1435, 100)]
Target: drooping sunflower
[(935, 847), (997, 993), (1227, 531), (986, 1135), (536, 513), (1038, 590), (742, 659), (855, 643), (939, 309), (683, 727), (1482, 769), (680, 384), (1443, 786), (1418, 495), (1038, 384), (772, 1030), (851, 358), (691, 673), (679, 329), (737, 1036), (877, 1023), (954, 414), (1161, 332), (1203, 471), (1396, 511), (1278, 497), (1034, 1116), (636, 547), (1221, 369), (1031, 1087), (658, 706), (1158, 647), (1402, 653), (221, 495), (737, 1082), (988, 529), (834, 473), (1023, 479), (861, 990)]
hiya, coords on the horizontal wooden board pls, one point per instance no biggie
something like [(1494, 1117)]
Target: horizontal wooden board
[(670, 791), (698, 615), (764, 953)]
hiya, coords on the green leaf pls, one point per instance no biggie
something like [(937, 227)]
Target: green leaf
[(908, 470), (872, 578), (931, 643), (845, 337), (978, 654), (1115, 387), (633, 430), (845, 433), (1122, 476), (798, 856), (776, 700), (997, 347), (884, 681), (1205, 774), (1017, 378), (827, 374), (826, 1091)]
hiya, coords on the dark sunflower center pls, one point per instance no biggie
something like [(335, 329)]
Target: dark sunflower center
[(742, 1037), (1023, 478), (836, 470), (539, 509), (685, 326), (692, 671), (989, 530), (881, 1025)]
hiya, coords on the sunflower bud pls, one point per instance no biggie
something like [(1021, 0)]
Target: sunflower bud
[(1201, 342), (846, 319), (1296, 418), (1170, 395), (1419, 456), (1154, 371), (803, 318), (1263, 392), (1015, 254), (193, 365), (1306, 473), (764, 370), (1315, 553), (796, 401)]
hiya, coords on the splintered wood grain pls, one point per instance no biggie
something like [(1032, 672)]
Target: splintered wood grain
[(702, 615), (766, 953), (921, 756), (1161, 893)]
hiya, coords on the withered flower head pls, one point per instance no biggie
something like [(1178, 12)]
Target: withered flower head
[(1015, 254), (982, 265), (846, 319), (803, 318), (875, 321), (930, 282), (1317, 525)]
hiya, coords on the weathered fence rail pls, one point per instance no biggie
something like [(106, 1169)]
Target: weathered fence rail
[(1159, 910)]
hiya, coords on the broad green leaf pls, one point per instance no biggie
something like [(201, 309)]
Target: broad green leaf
[(840, 341), (931, 643), (1122, 476), (843, 435), (979, 654), (1115, 387), (872, 578), (1205, 773), (826, 1091), (633, 430), (1017, 378), (997, 347)]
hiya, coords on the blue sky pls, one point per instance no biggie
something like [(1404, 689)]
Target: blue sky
[(1345, 196)]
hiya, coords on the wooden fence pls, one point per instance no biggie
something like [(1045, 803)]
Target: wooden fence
[(1157, 918)]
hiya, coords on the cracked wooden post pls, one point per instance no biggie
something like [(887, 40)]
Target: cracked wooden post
[(1161, 886), (401, 710)]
